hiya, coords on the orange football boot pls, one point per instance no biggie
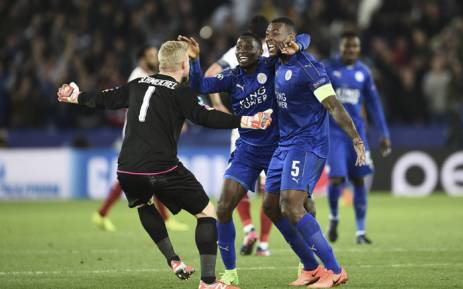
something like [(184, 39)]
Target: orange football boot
[(328, 279), (307, 277)]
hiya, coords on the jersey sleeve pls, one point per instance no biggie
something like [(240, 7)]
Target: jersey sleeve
[(228, 60), (317, 77), (303, 40), (220, 83), (203, 115), (373, 105), (113, 98)]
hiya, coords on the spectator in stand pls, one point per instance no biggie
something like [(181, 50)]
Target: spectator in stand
[(436, 88), (42, 46)]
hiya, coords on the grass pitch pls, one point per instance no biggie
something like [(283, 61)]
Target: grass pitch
[(418, 243)]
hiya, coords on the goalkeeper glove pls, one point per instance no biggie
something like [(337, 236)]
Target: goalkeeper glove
[(68, 93), (260, 120)]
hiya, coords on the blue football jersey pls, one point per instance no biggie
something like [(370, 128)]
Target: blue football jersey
[(250, 94), (354, 88), (302, 119)]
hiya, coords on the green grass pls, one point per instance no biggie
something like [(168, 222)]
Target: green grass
[(418, 243)]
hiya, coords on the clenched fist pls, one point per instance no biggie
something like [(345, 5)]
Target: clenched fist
[(68, 93)]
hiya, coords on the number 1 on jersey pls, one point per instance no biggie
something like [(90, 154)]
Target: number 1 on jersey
[(146, 103)]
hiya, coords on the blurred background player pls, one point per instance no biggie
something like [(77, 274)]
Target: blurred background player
[(147, 58), (258, 26), (355, 88)]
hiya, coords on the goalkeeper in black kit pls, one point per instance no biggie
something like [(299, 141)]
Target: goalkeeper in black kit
[(148, 165)]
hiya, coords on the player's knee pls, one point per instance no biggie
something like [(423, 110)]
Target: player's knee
[(336, 181), (207, 212), (309, 205), (358, 181), (293, 212), (224, 211), (271, 210)]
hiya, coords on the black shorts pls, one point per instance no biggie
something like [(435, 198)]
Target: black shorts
[(177, 190)]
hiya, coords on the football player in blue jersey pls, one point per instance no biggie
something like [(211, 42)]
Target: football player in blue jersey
[(251, 87), (355, 88), (305, 97)]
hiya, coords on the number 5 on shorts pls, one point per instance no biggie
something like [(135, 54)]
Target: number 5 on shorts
[(295, 168)]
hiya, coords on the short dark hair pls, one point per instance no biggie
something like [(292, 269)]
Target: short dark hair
[(258, 25), (349, 34), (252, 35), (286, 21), (142, 51)]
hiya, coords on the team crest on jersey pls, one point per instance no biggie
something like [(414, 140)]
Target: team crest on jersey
[(337, 73), (219, 76), (288, 74), (261, 78), (359, 76)]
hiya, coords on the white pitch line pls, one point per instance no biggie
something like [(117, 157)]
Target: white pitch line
[(266, 268), (116, 251), (386, 250)]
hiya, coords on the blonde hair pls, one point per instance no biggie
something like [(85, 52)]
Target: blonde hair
[(171, 55)]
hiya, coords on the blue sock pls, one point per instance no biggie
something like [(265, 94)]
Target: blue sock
[(360, 206), (226, 243), (334, 192), (299, 246), (310, 231)]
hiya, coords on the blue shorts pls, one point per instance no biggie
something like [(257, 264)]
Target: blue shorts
[(342, 158), (293, 169), (247, 162)]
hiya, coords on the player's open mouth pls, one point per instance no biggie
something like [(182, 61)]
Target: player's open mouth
[(243, 58)]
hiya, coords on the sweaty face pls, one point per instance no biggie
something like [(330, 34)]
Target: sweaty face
[(350, 49), (277, 33), (248, 51), (151, 59)]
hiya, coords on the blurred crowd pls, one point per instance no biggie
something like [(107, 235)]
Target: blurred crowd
[(415, 49)]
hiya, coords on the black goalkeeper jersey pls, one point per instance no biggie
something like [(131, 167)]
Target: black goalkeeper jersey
[(157, 108)]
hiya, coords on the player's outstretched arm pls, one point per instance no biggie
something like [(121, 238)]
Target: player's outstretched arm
[(343, 119), (114, 98), (212, 118)]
